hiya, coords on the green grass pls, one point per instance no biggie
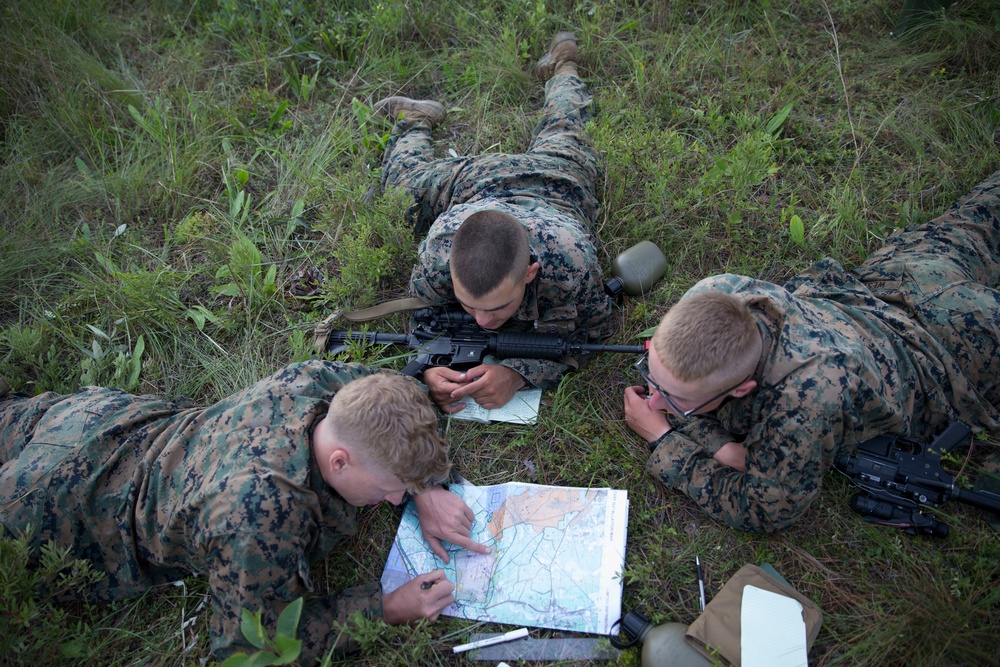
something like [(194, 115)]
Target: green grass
[(198, 174)]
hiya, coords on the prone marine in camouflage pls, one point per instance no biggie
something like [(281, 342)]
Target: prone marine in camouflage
[(903, 344), (152, 491), (550, 189)]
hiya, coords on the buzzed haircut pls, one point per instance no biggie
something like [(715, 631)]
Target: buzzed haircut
[(707, 335), (391, 419), (489, 247)]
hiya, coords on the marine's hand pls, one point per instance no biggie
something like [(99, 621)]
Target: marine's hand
[(445, 516), (492, 386), (650, 424), (412, 601), (732, 454), (442, 381)]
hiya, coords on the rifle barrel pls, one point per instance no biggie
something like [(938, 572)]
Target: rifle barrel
[(981, 499), (372, 337), (627, 349)]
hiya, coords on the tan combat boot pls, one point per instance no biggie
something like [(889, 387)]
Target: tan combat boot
[(429, 110), (561, 57)]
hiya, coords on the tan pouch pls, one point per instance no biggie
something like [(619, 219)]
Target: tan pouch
[(717, 631)]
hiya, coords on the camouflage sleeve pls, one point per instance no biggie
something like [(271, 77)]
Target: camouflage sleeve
[(430, 279), (594, 307), (787, 455), (540, 373), (429, 286), (252, 571)]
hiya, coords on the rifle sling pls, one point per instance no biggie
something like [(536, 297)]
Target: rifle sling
[(325, 326), (386, 308)]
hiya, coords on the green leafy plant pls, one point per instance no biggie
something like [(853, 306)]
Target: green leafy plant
[(239, 200), (371, 140), (796, 228), (375, 244), (395, 645), (278, 122), (111, 364), (245, 273), (282, 649), (33, 628), (201, 315), (302, 84), (31, 353)]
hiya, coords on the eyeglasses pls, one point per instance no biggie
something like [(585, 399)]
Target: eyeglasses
[(642, 366)]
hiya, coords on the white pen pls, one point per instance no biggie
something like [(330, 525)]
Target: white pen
[(701, 582), (499, 639)]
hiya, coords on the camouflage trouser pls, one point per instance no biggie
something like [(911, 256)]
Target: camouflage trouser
[(559, 170), (18, 418), (42, 448), (945, 273)]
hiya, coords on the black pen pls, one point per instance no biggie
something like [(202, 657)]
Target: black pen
[(701, 582), (426, 585)]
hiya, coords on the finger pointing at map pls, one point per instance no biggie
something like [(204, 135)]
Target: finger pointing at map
[(445, 517)]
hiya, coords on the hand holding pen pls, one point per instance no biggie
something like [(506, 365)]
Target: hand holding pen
[(424, 596)]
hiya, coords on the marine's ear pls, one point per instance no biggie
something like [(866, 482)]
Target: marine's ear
[(338, 460), (744, 389), (531, 272), (331, 455)]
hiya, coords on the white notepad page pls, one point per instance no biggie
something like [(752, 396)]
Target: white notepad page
[(772, 630)]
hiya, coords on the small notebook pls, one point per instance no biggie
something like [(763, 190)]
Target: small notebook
[(521, 409), (773, 633)]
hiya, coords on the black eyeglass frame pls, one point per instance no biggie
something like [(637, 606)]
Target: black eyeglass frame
[(642, 367)]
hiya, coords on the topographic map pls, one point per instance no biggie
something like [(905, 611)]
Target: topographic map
[(557, 554)]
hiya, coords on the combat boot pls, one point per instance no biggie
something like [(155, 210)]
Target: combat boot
[(560, 59), (429, 110)]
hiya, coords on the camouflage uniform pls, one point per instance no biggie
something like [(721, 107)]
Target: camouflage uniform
[(549, 189), (903, 344), (151, 491)]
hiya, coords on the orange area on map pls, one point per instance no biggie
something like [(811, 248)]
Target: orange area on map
[(523, 508)]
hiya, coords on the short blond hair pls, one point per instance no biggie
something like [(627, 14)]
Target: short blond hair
[(392, 421), (708, 335)]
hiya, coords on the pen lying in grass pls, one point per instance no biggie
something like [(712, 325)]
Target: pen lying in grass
[(520, 633)]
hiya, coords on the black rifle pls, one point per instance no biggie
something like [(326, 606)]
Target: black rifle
[(895, 481), (443, 337)]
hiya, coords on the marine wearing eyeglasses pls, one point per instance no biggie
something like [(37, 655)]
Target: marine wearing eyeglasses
[(753, 389), (642, 366)]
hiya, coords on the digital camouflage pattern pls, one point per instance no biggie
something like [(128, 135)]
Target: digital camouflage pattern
[(152, 491), (549, 189), (905, 343)]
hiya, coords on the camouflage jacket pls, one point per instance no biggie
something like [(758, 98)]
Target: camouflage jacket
[(567, 294), (839, 367), (152, 491)]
